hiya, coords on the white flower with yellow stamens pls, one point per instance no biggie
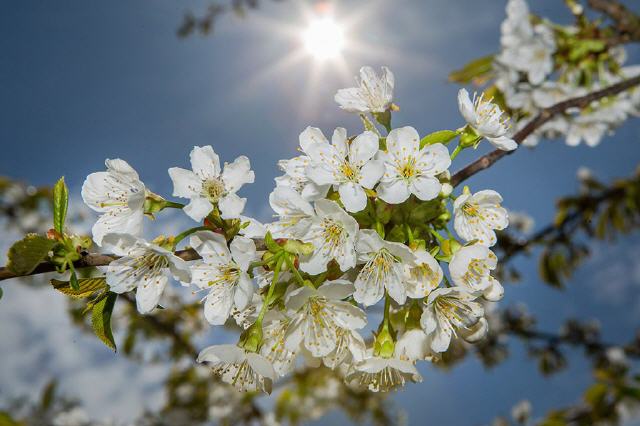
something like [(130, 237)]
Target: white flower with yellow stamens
[(273, 346), (208, 185), (423, 277), (295, 169), (478, 215), (350, 167), (383, 374), (319, 314), (409, 169), (350, 348), (450, 312), (293, 211), (333, 234), (487, 119), (119, 195), (246, 371), (384, 268), (223, 273), (373, 94), (471, 267), (143, 266)]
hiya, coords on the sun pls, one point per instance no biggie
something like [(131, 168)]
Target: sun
[(324, 38)]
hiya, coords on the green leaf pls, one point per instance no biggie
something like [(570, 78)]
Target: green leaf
[(441, 136), (101, 319), (60, 205), (1, 293), (26, 254), (86, 287), (476, 69), (73, 281)]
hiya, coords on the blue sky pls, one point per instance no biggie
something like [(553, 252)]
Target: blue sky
[(88, 80)]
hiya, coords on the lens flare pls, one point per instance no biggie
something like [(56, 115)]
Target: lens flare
[(324, 38)]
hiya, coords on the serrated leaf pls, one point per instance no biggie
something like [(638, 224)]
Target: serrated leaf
[(60, 205), (26, 254), (476, 69), (86, 287), (101, 319), (441, 136)]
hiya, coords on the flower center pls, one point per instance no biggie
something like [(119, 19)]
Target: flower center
[(333, 233), (349, 172), (459, 315), (149, 265), (227, 274), (408, 169), (471, 209), (213, 189)]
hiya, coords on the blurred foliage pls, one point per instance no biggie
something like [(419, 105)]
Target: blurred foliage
[(205, 23)]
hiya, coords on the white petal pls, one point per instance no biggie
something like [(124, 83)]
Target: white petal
[(237, 174), (403, 141), (425, 188), (351, 100), (336, 289), (363, 148), (311, 136), (466, 107), (394, 192), (149, 292), (243, 251), (198, 208), (352, 196), (205, 162), (218, 304), (186, 184), (371, 173), (231, 206), (504, 143)]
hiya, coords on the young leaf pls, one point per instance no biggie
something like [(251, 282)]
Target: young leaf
[(474, 70), (101, 319), (86, 287), (60, 204), (26, 254), (442, 136)]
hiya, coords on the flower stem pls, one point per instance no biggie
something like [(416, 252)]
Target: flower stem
[(296, 273), (272, 287), (456, 151), (436, 234), (173, 205), (181, 236)]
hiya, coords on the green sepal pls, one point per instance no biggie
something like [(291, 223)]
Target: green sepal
[(60, 205), (384, 118), (272, 246), (25, 255)]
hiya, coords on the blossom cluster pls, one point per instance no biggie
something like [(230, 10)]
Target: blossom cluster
[(360, 221), (542, 63)]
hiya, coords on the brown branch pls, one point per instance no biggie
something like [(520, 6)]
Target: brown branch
[(545, 115), (627, 23)]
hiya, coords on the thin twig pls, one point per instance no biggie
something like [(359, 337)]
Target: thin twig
[(545, 115)]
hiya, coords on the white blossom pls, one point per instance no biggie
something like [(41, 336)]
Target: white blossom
[(207, 185), (247, 371), (119, 195), (333, 234), (222, 272), (414, 345), (487, 119), (423, 277), (273, 346), (471, 267), (383, 374), (449, 312), (373, 94), (318, 316), (293, 211), (409, 169), (349, 166), (384, 264), (143, 266), (476, 216), (350, 348)]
